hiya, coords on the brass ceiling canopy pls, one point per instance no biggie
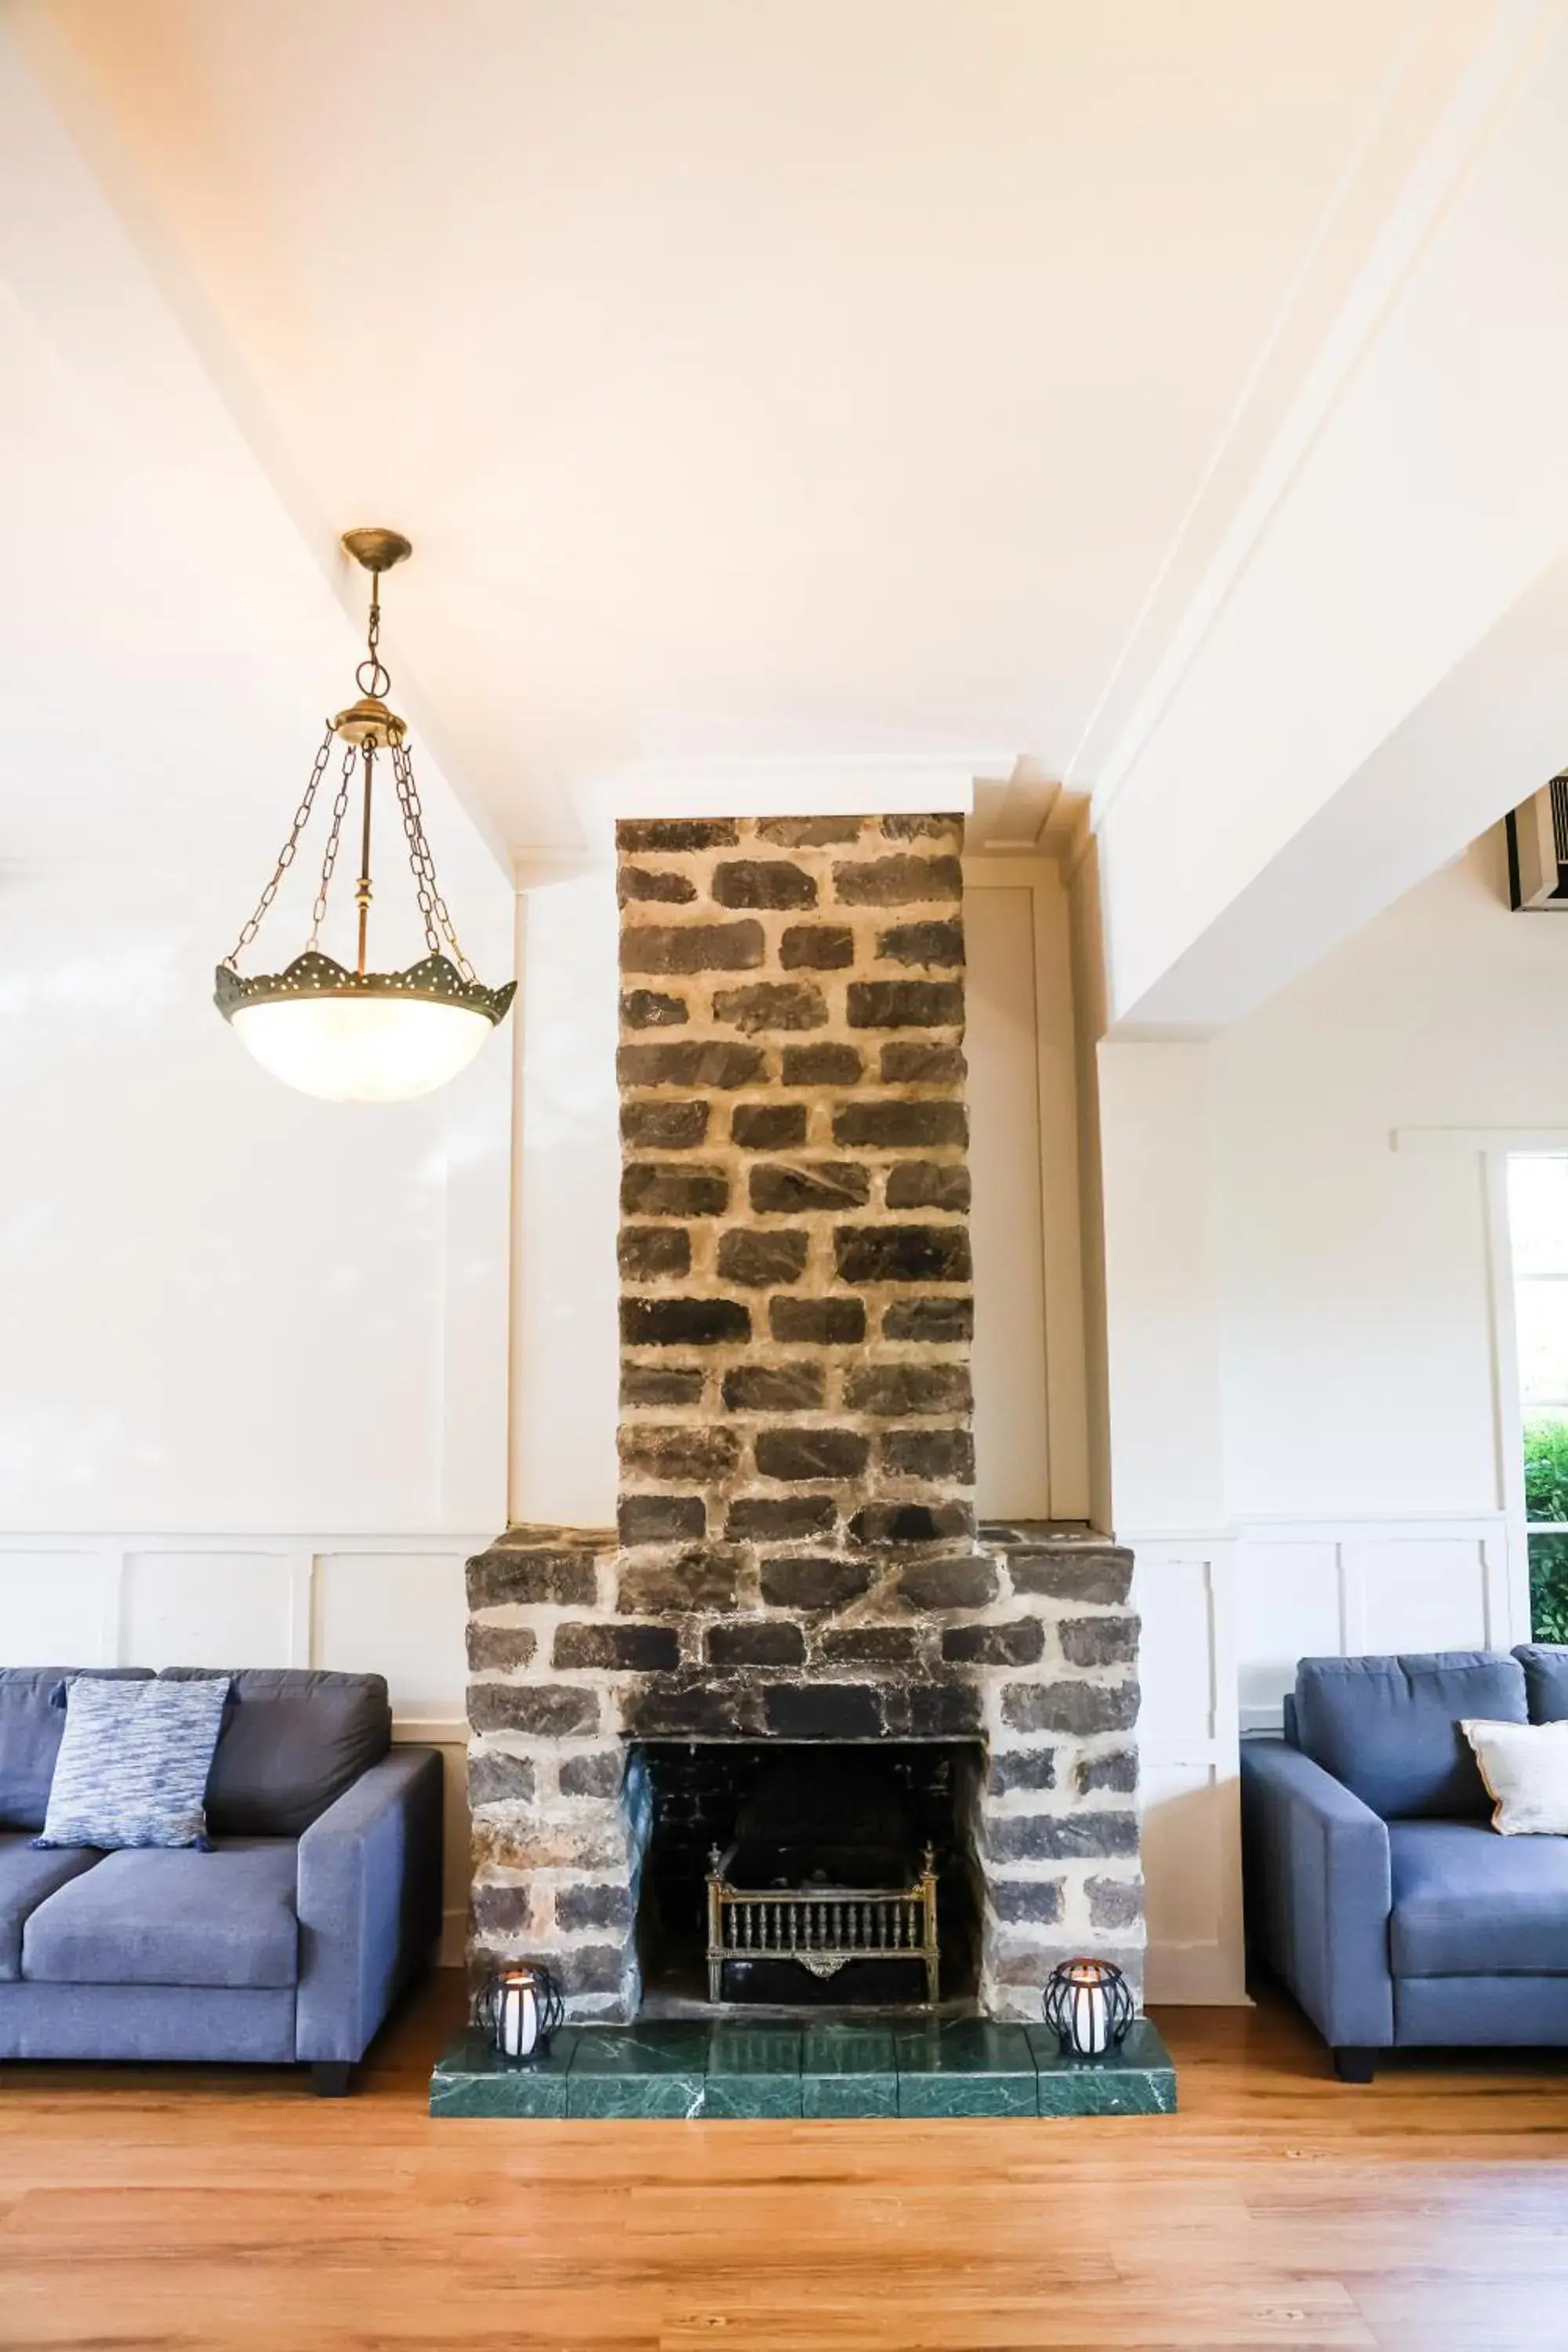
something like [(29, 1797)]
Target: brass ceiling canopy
[(363, 1036)]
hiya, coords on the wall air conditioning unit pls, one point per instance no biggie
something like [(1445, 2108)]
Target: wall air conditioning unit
[(1538, 851)]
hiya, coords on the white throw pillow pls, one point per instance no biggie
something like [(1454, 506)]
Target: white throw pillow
[(1525, 1768)]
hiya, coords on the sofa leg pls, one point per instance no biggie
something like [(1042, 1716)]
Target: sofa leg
[(1355, 2065), (332, 2078)]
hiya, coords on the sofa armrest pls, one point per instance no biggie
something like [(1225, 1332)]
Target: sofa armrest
[(369, 1899), (1318, 1892)]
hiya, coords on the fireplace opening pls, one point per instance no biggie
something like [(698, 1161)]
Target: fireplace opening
[(795, 1876)]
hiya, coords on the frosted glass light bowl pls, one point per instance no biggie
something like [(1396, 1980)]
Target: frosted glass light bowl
[(346, 1036)]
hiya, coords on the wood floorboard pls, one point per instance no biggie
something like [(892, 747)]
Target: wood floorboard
[(165, 2209)]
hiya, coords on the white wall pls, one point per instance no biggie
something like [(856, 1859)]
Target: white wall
[(1310, 1422), (252, 1347)]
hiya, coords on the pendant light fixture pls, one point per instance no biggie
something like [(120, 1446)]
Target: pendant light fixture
[(363, 1035)]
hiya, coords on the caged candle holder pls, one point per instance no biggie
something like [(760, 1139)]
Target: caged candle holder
[(519, 2009), (1089, 2004)]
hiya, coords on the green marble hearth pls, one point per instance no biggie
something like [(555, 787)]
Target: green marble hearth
[(736, 2070)]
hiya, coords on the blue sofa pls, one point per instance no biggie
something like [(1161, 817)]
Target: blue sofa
[(284, 1944), (1376, 1889)]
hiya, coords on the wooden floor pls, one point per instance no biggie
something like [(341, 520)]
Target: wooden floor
[(213, 2208)]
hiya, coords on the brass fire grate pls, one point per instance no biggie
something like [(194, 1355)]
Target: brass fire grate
[(823, 1928)]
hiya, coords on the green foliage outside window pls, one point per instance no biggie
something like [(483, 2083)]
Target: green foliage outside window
[(1546, 1498)]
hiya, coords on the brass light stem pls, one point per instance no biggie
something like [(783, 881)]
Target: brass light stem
[(362, 889)]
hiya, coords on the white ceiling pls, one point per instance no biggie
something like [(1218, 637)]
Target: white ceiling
[(797, 381)]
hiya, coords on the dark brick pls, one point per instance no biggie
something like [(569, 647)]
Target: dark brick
[(757, 1642), (909, 1062), (634, 882), (758, 1259), (815, 1584), (897, 881), (1068, 1575), (905, 1004), (1116, 1772), (947, 1584), (1099, 1641), (589, 1968), (780, 1518), (599, 1775), (770, 1004), (761, 882), (646, 1252), (933, 1454), (934, 1322), (692, 947), (1035, 1901), (896, 1125), (821, 1065), (661, 1519), (775, 1387), (809, 1185), (943, 1710), (502, 1910), (594, 1906), (501, 1649), (1051, 1837), (663, 1126), (651, 1188), (1019, 1642), (908, 827), (908, 1388), (701, 1579), (901, 1252), (670, 833), (495, 1778), (683, 1322), (927, 1184), (541, 1710), (644, 1008), (1080, 1709), (706, 1710), (922, 943), (677, 1450), (660, 1384), (817, 1322), (912, 1523), (871, 1646), (689, 1062), (768, 1127), (800, 1454), (818, 947), (808, 832), (1022, 1768), (822, 1711), (1116, 1902), (618, 1648), (504, 1578)]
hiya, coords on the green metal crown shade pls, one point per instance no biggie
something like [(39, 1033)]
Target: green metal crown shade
[(361, 1036)]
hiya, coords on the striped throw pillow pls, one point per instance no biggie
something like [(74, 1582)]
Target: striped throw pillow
[(133, 1763)]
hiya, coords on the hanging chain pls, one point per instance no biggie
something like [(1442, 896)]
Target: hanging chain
[(340, 806), (379, 682), (286, 854), (432, 905)]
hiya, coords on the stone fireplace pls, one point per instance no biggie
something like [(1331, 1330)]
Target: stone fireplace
[(797, 1559)]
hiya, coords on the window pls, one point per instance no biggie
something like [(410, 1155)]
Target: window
[(1538, 1225)]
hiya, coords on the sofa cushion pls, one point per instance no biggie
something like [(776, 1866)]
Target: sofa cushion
[(1470, 1903), (292, 1741), (1389, 1727), (27, 1874), (172, 1916), (133, 1764), (31, 1727), (1545, 1667)]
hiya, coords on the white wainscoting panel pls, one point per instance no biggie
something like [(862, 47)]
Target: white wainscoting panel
[(391, 1605)]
